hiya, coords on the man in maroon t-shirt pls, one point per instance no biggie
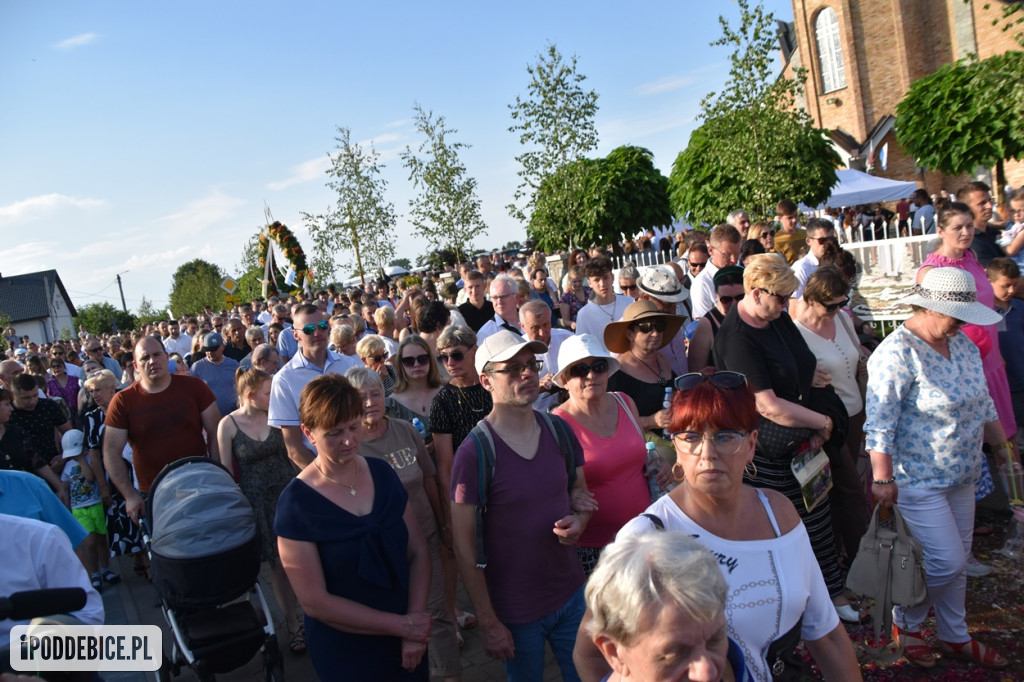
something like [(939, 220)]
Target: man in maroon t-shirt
[(163, 416), (532, 586)]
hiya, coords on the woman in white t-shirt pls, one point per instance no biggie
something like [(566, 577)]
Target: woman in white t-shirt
[(828, 330), (776, 591)]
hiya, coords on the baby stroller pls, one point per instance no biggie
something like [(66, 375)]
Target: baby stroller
[(204, 554)]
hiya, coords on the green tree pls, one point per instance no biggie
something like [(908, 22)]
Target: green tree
[(196, 284), (103, 318), (755, 145), (966, 115), (147, 314), (402, 263), (622, 192), (361, 224), (555, 122), (447, 211)]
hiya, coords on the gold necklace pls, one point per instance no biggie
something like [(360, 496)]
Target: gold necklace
[(462, 393), (351, 488), (656, 372)]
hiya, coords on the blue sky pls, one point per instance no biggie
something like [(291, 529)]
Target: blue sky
[(137, 136)]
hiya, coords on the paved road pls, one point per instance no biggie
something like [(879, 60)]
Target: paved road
[(134, 601)]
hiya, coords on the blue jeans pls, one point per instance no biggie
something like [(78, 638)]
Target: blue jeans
[(559, 629)]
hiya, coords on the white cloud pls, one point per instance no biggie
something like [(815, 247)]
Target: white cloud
[(667, 84), (202, 213), (398, 124), (386, 138), (37, 207), (75, 41), (304, 172)]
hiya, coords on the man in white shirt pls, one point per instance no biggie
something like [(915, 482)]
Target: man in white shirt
[(536, 319), (606, 306), (505, 299), (723, 249), (740, 219), (819, 231), (176, 342)]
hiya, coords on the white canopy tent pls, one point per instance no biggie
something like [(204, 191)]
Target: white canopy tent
[(856, 187)]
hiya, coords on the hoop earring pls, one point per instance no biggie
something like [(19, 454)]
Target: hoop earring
[(747, 468), (678, 478)]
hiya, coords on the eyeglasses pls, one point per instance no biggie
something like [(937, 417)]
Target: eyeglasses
[(768, 233), (647, 326), (411, 361), (697, 266), (782, 297), (310, 329), (630, 287), (518, 370), (580, 370), (454, 356), (724, 442), (500, 297), (94, 350), (721, 379), (820, 240), (731, 299), (832, 307), (379, 358)]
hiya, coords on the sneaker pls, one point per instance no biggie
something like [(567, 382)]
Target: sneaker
[(97, 582), (110, 576), (976, 569)]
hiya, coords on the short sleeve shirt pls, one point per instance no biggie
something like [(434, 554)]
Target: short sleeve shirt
[(39, 425)]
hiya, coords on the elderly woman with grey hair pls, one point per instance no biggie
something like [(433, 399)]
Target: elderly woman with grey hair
[(656, 606), (396, 442), (374, 354), (628, 275)]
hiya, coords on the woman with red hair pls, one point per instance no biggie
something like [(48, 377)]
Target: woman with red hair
[(777, 595)]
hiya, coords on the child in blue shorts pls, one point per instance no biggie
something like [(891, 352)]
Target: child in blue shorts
[(87, 506)]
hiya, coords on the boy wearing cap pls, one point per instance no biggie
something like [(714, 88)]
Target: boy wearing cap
[(80, 484)]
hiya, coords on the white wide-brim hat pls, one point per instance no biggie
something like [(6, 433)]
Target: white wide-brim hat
[(953, 292), (581, 347)]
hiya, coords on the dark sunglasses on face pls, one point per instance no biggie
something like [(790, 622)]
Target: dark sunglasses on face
[(820, 240), (379, 358), (454, 356), (647, 326), (722, 379), (832, 307), (769, 233), (697, 266), (629, 287), (310, 329), (731, 299), (580, 370), (411, 361)]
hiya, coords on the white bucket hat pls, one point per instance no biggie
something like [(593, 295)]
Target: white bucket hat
[(661, 283), (581, 347), (504, 345), (952, 291)]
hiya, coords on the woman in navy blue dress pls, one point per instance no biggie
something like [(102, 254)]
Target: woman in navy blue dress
[(352, 549)]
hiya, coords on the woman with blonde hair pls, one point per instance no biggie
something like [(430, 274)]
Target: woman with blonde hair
[(343, 338), (798, 411), (374, 354), (384, 317), (245, 437)]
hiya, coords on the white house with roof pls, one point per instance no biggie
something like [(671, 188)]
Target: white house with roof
[(37, 305)]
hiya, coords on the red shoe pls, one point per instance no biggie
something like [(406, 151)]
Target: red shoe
[(974, 651), (915, 649)]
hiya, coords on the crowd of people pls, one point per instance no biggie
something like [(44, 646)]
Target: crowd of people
[(604, 460)]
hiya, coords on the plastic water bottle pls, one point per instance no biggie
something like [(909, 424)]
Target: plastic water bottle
[(420, 428), (651, 469), (1014, 545)]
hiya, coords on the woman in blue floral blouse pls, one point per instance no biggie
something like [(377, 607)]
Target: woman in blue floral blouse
[(928, 409)]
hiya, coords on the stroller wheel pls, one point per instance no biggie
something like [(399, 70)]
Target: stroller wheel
[(201, 671), (273, 663)]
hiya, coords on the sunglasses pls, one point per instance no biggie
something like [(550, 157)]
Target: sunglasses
[(454, 356), (820, 240), (580, 370), (647, 326), (769, 233), (629, 288), (518, 370), (782, 298), (698, 266), (310, 329), (721, 379), (411, 361), (731, 299), (832, 307), (379, 358)]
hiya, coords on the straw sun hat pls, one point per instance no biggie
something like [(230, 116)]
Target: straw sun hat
[(615, 338), (951, 291)]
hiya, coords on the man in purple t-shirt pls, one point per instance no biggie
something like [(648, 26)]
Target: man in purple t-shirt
[(532, 586)]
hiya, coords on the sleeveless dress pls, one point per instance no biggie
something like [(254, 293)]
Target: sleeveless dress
[(992, 360), (265, 471)]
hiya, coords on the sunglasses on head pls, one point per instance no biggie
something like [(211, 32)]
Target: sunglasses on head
[(310, 329), (454, 356), (580, 370), (721, 379), (647, 326), (731, 299), (832, 307), (411, 361)]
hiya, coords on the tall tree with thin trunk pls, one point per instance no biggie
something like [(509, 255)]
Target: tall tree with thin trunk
[(555, 122), (361, 225), (447, 211)]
